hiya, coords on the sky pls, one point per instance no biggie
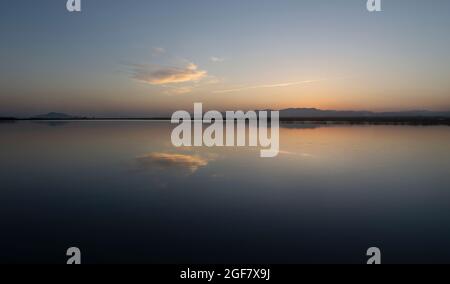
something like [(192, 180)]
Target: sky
[(153, 57)]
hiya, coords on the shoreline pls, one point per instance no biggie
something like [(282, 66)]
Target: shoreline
[(317, 120)]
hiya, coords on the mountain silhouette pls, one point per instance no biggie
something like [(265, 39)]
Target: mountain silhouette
[(294, 113), (54, 115), (317, 113)]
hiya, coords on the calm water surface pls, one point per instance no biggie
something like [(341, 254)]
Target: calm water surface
[(122, 193)]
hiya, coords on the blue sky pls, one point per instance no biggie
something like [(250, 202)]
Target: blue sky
[(144, 57)]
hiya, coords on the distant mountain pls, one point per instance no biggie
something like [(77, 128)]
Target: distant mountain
[(54, 115), (294, 113), (3, 118), (317, 113)]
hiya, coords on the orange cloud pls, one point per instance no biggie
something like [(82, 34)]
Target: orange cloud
[(168, 75)]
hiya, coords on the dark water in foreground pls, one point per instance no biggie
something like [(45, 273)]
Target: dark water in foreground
[(122, 193)]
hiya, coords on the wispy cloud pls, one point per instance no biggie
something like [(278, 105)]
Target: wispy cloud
[(217, 59), (168, 75), (279, 85), (306, 155), (156, 51), (182, 90)]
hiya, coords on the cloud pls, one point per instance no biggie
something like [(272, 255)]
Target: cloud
[(217, 59), (179, 90), (164, 161), (168, 75), (158, 51), (279, 85), (306, 155)]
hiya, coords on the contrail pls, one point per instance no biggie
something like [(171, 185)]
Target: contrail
[(280, 85)]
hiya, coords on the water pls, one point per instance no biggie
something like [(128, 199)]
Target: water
[(122, 193)]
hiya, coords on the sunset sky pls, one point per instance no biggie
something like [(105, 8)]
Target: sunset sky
[(152, 57)]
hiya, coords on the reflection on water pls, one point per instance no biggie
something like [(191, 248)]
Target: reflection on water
[(167, 161), (122, 193)]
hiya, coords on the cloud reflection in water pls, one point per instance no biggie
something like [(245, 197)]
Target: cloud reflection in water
[(164, 161)]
